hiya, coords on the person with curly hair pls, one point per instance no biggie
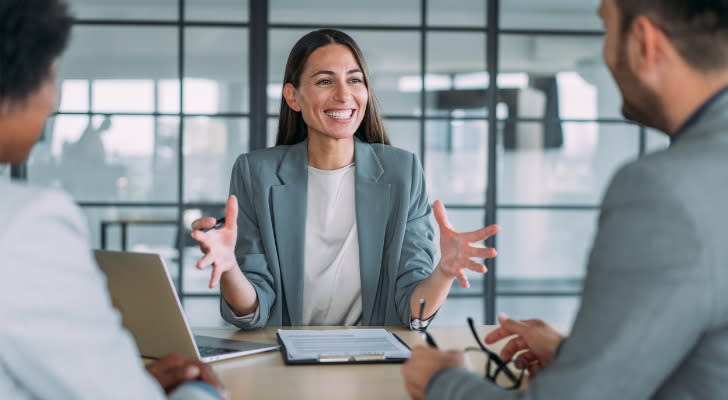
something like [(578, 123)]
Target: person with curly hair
[(60, 336)]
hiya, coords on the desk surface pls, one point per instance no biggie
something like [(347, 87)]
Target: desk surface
[(265, 376)]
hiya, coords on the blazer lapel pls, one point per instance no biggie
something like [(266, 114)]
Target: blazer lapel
[(289, 220), (372, 210)]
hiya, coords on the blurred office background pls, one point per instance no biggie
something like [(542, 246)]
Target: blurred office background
[(508, 105)]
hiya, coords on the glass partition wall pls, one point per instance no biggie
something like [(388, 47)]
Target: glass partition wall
[(507, 104)]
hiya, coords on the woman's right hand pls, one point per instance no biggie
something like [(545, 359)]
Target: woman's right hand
[(218, 245)]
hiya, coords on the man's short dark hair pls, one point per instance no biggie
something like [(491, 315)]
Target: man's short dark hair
[(697, 28), (33, 33)]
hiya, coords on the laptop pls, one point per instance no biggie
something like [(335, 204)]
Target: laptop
[(142, 291)]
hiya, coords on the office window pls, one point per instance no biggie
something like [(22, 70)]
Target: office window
[(456, 79), (217, 11), (404, 134), (216, 76), (546, 163), (163, 124), (456, 160), (108, 157), (337, 12), (556, 15), (457, 13), (211, 146), (128, 10)]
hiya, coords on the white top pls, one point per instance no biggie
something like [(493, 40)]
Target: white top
[(60, 336), (331, 282)]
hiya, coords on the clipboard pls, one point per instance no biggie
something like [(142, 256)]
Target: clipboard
[(341, 346)]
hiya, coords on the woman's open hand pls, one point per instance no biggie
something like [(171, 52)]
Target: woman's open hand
[(457, 249), (218, 245)]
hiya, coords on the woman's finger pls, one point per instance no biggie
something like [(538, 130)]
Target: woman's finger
[(206, 260), (476, 267), (481, 252), (480, 234), (463, 279)]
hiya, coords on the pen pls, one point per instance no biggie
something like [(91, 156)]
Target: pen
[(218, 224), (428, 338)]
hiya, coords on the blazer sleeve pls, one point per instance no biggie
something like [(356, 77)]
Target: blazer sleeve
[(249, 250), (418, 248), (645, 304), (60, 336)]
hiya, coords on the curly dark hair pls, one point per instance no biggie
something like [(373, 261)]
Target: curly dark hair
[(33, 33)]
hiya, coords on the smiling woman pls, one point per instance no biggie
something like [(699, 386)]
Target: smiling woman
[(332, 225)]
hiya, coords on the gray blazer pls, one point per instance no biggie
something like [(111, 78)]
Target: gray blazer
[(653, 321), (396, 248)]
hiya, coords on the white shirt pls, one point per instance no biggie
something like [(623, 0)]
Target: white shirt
[(332, 282), (60, 336)]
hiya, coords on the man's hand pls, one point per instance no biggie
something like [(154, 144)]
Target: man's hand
[(536, 340), (424, 363), (175, 369)]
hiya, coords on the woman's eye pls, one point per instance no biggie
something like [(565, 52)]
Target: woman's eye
[(324, 82), (356, 80)]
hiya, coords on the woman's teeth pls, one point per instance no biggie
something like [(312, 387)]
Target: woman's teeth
[(340, 114)]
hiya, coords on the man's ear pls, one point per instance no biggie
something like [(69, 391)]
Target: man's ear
[(646, 46), (289, 93)]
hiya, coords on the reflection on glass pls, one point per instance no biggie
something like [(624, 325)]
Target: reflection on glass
[(123, 95), (455, 311), (217, 10), (555, 14), (216, 76), (108, 158), (4, 173), (457, 13), (455, 163), (118, 55), (567, 163), (404, 134), (568, 69), (335, 12), (558, 311), (272, 131), (456, 79), (111, 9), (74, 95), (390, 56), (158, 238), (211, 146), (544, 244), (168, 96)]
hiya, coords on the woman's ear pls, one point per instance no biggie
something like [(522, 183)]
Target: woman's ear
[(289, 93)]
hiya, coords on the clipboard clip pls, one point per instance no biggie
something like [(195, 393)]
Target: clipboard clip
[(347, 358)]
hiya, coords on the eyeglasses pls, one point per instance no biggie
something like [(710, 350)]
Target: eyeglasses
[(496, 370)]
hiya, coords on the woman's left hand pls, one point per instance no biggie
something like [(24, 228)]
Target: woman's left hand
[(457, 250)]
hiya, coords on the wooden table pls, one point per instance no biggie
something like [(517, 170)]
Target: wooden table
[(266, 376)]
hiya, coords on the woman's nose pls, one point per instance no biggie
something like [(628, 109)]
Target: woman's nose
[(342, 92)]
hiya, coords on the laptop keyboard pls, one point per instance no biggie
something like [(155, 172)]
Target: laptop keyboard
[(207, 351)]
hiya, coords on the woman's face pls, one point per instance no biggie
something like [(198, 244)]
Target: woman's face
[(331, 94)]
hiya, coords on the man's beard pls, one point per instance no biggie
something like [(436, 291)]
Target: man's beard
[(639, 103)]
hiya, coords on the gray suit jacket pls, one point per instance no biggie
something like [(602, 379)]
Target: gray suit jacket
[(396, 248), (653, 321)]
